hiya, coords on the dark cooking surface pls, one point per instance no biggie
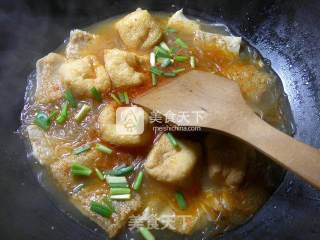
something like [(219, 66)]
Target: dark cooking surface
[(286, 32)]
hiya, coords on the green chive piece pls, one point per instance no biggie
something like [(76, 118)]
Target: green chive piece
[(102, 148), (121, 97), (181, 58), (165, 46), (119, 191), (154, 79), (166, 62), (100, 209), (147, 235), (61, 119), (108, 202), (70, 98), (114, 97), (81, 149), (181, 43), (181, 200), (117, 182), (161, 52), (42, 120), (96, 94), (169, 74), (126, 98), (80, 170), (179, 70), (172, 140), (121, 197), (137, 183), (53, 115), (121, 171), (78, 188), (152, 59), (170, 30), (85, 109), (99, 174), (156, 71), (192, 62)]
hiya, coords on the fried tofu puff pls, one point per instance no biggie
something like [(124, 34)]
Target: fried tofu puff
[(227, 159), (201, 38), (49, 88), (180, 22), (123, 67), (138, 30), (109, 133), (78, 41), (167, 164), (80, 75)]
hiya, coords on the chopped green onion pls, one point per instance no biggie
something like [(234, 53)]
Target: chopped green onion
[(100, 209), (85, 109), (119, 191), (169, 74), (152, 59), (53, 115), (156, 71), (121, 97), (166, 62), (78, 188), (172, 140), (126, 98), (181, 200), (114, 97), (121, 197), (42, 120), (164, 46), (181, 58), (96, 94), (192, 61), (61, 119), (181, 43), (108, 202), (147, 235), (170, 30), (179, 70), (173, 49), (70, 98), (117, 182), (121, 171), (80, 170), (102, 148), (81, 149), (161, 52), (99, 174), (154, 79), (137, 183)]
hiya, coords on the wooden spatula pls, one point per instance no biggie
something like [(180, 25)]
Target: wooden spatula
[(227, 111)]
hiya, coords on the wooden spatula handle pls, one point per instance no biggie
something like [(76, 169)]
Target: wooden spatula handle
[(298, 157)]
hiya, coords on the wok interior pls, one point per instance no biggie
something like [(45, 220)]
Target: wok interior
[(270, 106)]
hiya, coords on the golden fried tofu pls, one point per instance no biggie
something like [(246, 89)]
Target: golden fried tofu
[(109, 133), (80, 75), (123, 67), (49, 88), (94, 192), (227, 159), (208, 40), (167, 164), (138, 30), (78, 41), (180, 22)]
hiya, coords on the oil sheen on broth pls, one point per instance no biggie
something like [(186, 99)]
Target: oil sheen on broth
[(229, 181)]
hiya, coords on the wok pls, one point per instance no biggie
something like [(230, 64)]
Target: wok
[(285, 32)]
